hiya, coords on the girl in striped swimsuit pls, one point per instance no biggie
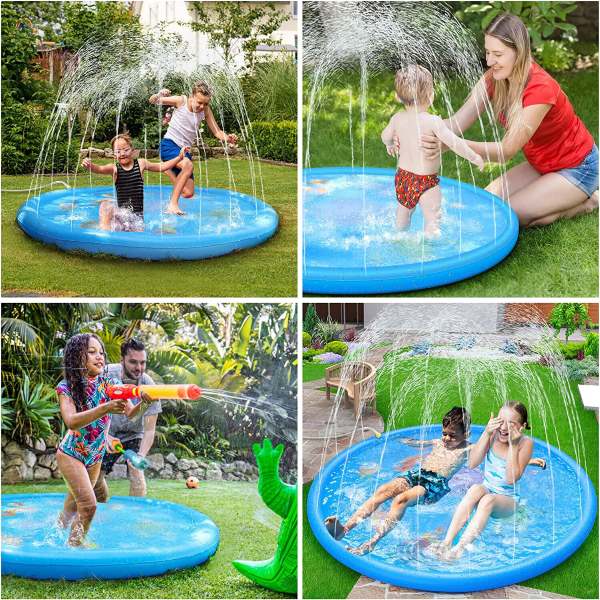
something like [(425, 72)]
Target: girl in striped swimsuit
[(506, 453), (128, 213)]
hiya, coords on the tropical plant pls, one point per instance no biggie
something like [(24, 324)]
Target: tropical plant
[(7, 414), (172, 433), (570, 316), (33, 409)]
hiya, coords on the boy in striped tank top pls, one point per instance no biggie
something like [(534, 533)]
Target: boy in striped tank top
[(185, 120), (506, 452), (127, 172)]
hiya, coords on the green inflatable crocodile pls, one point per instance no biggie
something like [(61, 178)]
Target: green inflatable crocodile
[(279, 573)]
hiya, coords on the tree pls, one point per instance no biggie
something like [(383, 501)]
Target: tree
[(571, 316), (227, 22)]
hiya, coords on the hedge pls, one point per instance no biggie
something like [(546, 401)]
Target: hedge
[(276, 140)]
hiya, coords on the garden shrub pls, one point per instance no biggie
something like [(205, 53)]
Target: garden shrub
[(336, 347), (578, 370), (275, 141), (310, 319), (570, 316), (590, 347), (306, 339), (571, 350), (327, 331), (311, 353), (554, 55)]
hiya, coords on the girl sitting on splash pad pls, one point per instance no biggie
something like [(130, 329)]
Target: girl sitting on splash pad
[(188, 114), (127, 172)]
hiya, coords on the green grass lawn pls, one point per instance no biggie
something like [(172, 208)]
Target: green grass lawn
[(439, 387), (32, 268), (311, 371), (558, 260), (248, 531)]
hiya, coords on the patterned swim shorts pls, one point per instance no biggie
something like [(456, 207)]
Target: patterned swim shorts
[(410, 187)]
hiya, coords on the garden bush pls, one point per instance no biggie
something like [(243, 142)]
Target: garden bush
[(328, 358), (306, 339), (578, 370), (327, 331), (590, 347), (310, 319), (275, 141), (554, 55), (337, 347), (571, 350), (311, 353)]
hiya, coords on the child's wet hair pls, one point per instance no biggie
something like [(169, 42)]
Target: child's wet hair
[(520, 409), (201, 87), (74, 361), (121, 136), (414, 85), (458, 416)]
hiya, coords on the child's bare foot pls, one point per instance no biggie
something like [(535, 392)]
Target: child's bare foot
[(335, 528), (64, 519), (432, 234), (454, 553), (440, 549), (362, 549), (174, 210)]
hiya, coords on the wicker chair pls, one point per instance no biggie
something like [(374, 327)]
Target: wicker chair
[(356, 379)]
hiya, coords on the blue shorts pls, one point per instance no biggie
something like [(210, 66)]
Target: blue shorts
[(168, 149), (584, 175), (436, 486)]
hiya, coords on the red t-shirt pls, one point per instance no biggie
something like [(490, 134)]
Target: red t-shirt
[(561, 140)]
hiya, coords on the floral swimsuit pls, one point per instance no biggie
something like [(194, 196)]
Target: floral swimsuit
[(88, 444), (410, 187)]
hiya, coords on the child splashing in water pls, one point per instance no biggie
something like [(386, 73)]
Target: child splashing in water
[(183, 131), (417, 180), (127, 173), (85, 408), (426, 484), (506, 453)]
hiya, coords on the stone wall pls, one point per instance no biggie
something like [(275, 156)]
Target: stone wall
[(37, 462)]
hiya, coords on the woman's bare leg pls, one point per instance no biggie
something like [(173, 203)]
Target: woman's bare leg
[(80, 481), (137, 481), (490, 504), (513, 180)]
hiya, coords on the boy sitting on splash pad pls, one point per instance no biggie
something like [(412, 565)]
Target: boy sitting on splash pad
[(426, 484), (417, 180), (187, 116), (127, 172)]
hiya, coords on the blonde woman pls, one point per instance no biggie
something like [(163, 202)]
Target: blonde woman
[(560, 176)]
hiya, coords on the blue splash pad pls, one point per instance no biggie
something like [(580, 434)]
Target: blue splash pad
[(556, 514), (352, 246), (129, 537), (217, 222)]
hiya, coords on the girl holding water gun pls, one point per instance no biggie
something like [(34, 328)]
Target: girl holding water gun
[(85, 407)]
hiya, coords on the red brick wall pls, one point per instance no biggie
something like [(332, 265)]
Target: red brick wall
[(521, 312)]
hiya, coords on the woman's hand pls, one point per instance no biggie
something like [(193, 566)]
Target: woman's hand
[(231, 139), (493, 424), (164, 92), (86, 163), (116, 407), (479, 163), (432, 146)]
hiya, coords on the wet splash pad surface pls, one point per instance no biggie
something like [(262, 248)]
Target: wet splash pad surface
[(352, 246), (217, 222), (556, 513), (129, 537)]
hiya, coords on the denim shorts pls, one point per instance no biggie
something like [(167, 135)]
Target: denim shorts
[(584, 175), (168, 149)]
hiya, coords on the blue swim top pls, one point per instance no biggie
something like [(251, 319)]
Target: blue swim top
[(494, 476)]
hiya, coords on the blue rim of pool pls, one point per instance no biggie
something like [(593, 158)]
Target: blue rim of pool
[(355, 279), (151, 556), (35, 218), (469, 580)]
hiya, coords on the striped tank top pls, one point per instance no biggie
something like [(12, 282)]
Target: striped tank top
[(130, 188), (184, 125), (494, 476)]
